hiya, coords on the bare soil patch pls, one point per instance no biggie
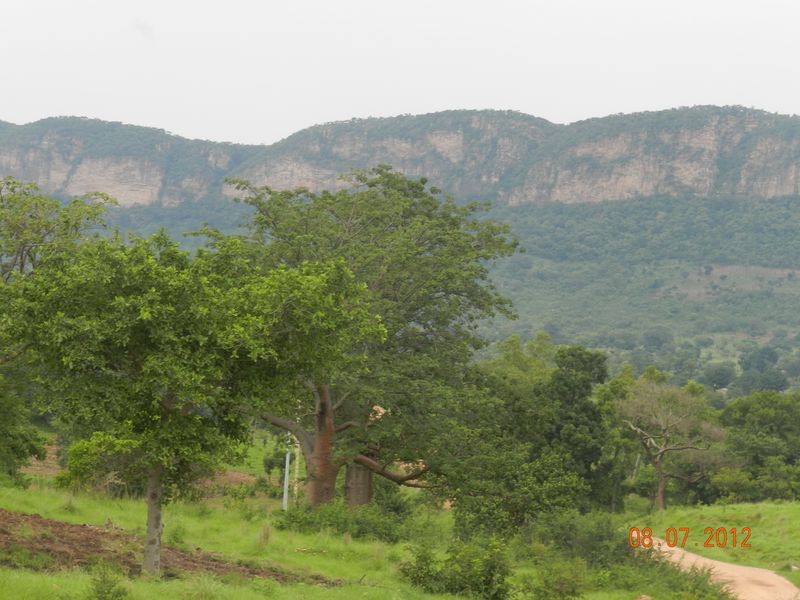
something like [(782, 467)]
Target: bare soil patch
[(64, 546)]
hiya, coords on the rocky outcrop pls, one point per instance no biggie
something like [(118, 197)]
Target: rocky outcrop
[(499, 155)]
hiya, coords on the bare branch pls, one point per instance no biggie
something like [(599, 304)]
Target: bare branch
[(408, 480)]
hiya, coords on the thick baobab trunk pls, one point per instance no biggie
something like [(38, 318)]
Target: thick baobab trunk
[(322, 469), (661, 487), (152, 546), (357, 484)]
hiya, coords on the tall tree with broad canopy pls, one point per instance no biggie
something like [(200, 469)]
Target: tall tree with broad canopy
[(159, 355), (424, 260), (32, 227)]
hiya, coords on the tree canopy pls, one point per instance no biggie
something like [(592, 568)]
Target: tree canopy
[(424, 261), (152, 358)]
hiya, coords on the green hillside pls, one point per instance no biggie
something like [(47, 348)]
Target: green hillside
[(679, 282)]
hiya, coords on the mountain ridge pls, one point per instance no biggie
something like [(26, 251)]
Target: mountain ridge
[(506, 156)]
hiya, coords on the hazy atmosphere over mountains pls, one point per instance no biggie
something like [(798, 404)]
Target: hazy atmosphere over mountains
[(504, 156)]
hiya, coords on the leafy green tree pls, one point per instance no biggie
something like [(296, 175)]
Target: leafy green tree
[(531, 438), (160, 355), (719, 374), (33, 227), (424, 261), (762, 426)]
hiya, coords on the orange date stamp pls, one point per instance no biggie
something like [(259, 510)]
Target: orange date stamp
[(719, 537)]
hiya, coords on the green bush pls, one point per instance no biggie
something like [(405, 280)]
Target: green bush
[(360, 522), (469, 569), (560, 580), (596, 537), (107, 584), (647, 574)]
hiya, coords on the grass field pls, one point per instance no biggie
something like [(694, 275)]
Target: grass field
[(241, 529)]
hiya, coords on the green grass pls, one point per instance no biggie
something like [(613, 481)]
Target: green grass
[(775, 529), (242, 530), (71, 585)]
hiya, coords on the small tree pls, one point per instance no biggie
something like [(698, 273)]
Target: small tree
[(33, 227), (666, 421), (159, 355)]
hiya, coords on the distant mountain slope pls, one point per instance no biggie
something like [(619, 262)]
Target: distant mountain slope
[(500, 155), (136, 165)]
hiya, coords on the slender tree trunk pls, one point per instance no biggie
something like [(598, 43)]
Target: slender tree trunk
[(322, 469), (152, 546), (296, 480), (357, 484), (661, 486)]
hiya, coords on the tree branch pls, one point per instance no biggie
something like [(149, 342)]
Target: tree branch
[(406, 480), (306, 441), (340, 402), (345, 426)]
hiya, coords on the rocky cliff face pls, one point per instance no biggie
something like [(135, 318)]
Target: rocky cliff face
[(505, 156)]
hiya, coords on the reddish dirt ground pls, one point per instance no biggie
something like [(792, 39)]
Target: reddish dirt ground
[(69, 546)]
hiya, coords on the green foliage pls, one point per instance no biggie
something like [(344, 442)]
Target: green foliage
[(505, 488), (535, 440), (691, 271), (646, 574), (158, 354), (107, 584), (367, 521), (478, 571), (424, 261), (597, 538), (763, 439), (33, 228), (560, 578), (20, 557), (19, 440)]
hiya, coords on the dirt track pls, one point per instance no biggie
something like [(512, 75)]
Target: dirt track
[(746, 583)]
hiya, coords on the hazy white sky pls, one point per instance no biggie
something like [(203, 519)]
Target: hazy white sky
[(256, 71)]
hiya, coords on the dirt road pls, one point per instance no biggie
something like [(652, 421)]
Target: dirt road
[(746, 583)]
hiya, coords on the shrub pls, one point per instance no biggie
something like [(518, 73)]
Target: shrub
[(469, 569), (107, 584), (360, 522), (560, 580), (596, 537)]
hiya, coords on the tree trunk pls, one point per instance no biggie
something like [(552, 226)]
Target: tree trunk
[(357, 484), (152, 546), (322, 469), (661, 487)]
